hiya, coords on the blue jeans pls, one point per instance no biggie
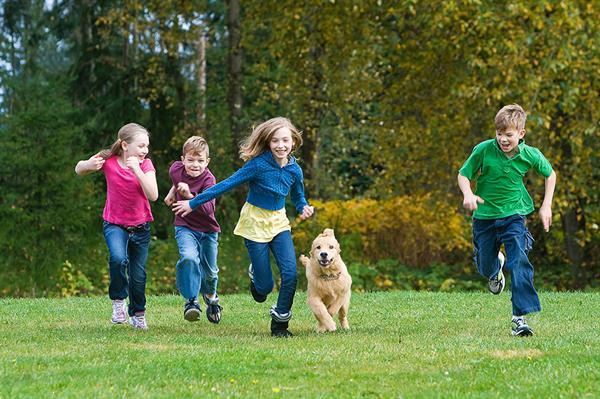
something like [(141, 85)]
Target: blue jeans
[(128, 253), (488, 235), (196, 270), (282, 248)]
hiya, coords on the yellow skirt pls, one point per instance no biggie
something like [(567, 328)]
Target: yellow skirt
[(261, 225)]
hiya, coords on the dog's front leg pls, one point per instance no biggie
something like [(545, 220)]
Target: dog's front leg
[(343, 313), (324, 319)]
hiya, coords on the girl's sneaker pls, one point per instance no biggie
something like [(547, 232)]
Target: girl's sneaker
[(520, 327), (119, 311), (258, 297), (138, 321), (191, 310), (496, 284), (213, 309)]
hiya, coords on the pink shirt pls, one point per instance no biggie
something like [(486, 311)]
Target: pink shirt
[(126, 203)]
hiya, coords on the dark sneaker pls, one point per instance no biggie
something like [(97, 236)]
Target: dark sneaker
[(520, 327), (496, 284), (191, 310), (279, 329), (213, 309), (258, 297)]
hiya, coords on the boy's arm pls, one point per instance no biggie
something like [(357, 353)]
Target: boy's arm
[(470, 200), (170, 198), (546, 208), (85, 167)]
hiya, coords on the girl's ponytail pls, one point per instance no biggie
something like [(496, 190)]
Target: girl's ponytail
[(126, 134)]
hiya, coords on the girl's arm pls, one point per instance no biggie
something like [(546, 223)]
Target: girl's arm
[(297, 193), (147, 180), (170, 198), (208, 208), (85, 167), (244, 174), (546, 208)]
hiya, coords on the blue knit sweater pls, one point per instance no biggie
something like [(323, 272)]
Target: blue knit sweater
[(268, 182)]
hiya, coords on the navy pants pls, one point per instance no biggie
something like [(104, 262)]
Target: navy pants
[(282, 248), (488, 235)]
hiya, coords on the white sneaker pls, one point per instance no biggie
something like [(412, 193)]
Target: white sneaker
[(496, 284), (119, 311), (138, 321)]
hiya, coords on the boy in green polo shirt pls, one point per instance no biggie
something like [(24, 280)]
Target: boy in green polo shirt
[(500, 204)]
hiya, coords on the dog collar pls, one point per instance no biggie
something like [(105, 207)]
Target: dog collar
[(329, 277)]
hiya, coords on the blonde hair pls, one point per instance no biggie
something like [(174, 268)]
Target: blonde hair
[(512, 115), (258, 141), (195, 145), (126, 133)]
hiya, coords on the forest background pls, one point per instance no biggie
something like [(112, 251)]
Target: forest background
[(391, 97)]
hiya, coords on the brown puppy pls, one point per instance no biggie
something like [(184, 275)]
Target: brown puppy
[(328, 282)]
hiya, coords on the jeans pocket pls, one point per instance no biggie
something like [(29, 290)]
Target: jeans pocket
[(528, 241)]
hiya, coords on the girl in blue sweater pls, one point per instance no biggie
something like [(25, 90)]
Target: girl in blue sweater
[(271, 173)]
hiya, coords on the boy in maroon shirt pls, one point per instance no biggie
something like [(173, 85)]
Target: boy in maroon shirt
[(197, 233)]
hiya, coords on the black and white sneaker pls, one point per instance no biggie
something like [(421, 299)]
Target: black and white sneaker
[(258, 297), (191, 310), (496, 284), (520, 327), (213, 309)]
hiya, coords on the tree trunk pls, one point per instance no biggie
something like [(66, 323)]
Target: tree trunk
[(201, 108), (234, 94)]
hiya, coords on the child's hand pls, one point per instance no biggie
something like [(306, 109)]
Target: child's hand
[(307, 212), (95, 162), (184, 190), (470, 202), (170, 198), (182, 208), (133, 163), (546, 217)]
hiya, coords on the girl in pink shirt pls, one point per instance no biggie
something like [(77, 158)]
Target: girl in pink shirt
[(131, 183)]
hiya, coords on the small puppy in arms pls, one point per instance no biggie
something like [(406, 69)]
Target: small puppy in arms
[(329, 282)]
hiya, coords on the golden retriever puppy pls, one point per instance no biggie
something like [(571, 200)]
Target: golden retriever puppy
[(328, 282)]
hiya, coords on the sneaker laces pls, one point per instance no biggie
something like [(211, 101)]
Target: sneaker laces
[(118, 309), (139, 321)]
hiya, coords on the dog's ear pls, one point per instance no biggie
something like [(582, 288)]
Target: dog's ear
[(328, 232)]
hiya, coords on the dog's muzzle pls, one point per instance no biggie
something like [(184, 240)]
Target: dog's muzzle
[(324, 259)]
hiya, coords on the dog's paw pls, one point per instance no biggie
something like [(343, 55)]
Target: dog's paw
[(304, 260), (326, 328)]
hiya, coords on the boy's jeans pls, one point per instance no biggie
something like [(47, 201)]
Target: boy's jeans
[(282, 248), (197, 269), (127, 264), (488, 235)]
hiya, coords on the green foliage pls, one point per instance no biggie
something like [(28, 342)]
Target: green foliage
[(391, 97)]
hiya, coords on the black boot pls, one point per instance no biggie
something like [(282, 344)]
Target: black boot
[(279, 329)]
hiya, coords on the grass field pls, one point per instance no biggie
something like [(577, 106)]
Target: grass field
[(401, 344)]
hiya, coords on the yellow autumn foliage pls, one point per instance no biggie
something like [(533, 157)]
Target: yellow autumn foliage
[(415, 230)]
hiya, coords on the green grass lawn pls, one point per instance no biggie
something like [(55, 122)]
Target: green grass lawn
[(401, 344)]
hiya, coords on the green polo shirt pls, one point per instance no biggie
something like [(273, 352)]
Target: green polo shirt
[(500, 179)]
